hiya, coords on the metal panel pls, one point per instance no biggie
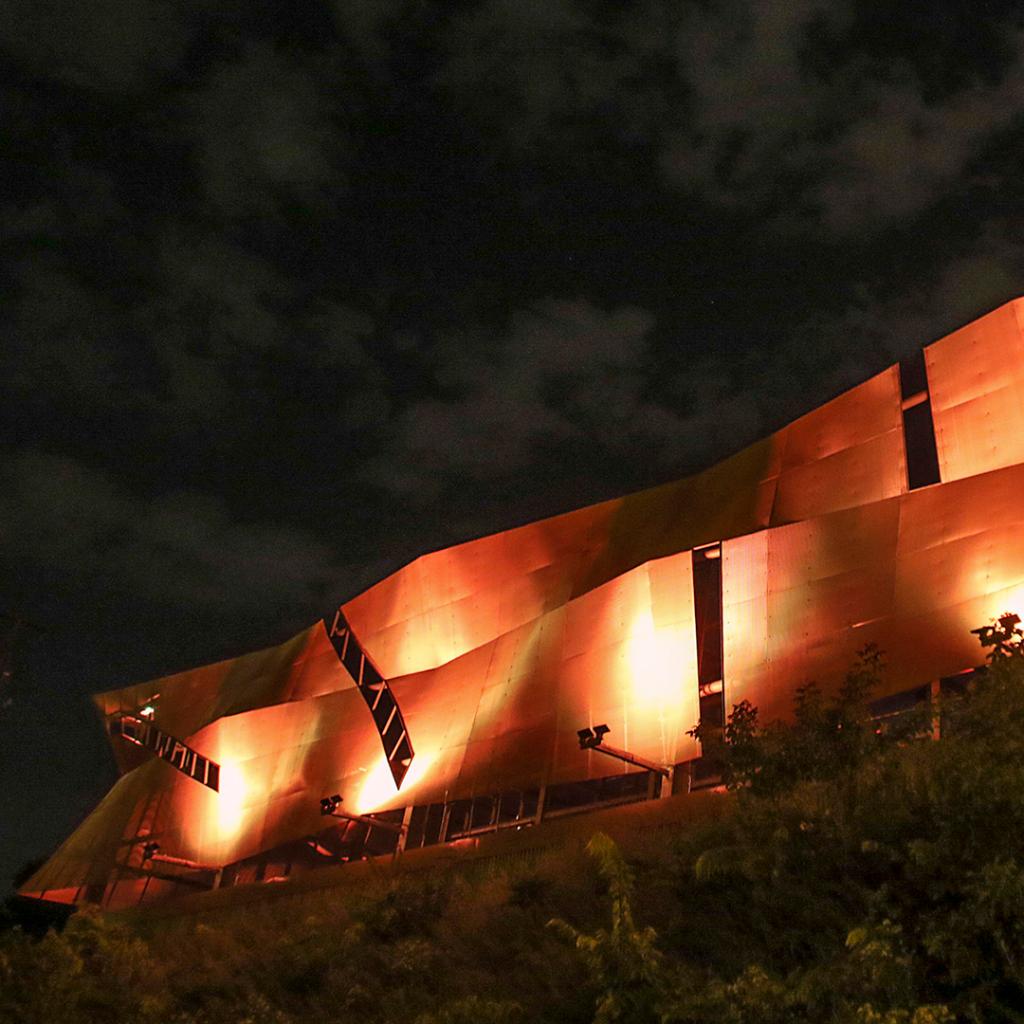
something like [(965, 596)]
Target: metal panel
[(871, 471), (730, 499), (444, 604), (745, 617), (190, 700), (848, 452), (976, 378), (795, 596), (855, 417), (498, 650)]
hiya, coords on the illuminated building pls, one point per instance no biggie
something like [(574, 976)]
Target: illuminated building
[(449, 697)]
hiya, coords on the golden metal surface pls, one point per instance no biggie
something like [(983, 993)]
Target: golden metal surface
[(498, 650)]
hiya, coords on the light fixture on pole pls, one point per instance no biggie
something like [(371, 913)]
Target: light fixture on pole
[(593, 739), (330, 806)]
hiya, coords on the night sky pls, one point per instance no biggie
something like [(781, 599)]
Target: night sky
[(292, 293)]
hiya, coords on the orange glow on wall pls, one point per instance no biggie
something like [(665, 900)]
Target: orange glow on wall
[(654, 657), (498, 650), (378, 787), (231, 800)]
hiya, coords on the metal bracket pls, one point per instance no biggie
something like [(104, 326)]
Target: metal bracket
[(593, 739), (330, 807)]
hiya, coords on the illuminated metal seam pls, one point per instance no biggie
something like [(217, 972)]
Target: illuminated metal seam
[(387, 716), (144, 733)]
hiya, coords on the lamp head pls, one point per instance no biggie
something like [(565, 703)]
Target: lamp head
[(590, 738), (329, 804)]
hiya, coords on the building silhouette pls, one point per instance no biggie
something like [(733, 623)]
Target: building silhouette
[(448, 699)]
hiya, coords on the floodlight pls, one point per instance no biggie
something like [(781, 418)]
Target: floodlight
[(593, 739), (329, 804)]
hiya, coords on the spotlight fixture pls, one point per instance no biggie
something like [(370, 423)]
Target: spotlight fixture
[(593, 739), (329, 804)]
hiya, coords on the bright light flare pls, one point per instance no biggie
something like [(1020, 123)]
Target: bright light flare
[(231, 800), (655, 659), (379, 788)]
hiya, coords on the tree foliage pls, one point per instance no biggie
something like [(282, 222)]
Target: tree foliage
[(623, 961), (862, 874)]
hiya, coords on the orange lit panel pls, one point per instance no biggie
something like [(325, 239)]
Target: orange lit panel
[(939, 515), (869, 472), (976, 378), (965, 365), (500, 649), (727, 500), (982, 434), (744, 615), (856, 417), (443, 605), (190, 700)]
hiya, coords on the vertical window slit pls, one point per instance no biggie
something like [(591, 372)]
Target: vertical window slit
[(707, 607), (918, 426)]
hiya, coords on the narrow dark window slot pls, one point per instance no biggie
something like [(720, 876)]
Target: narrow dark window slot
[(433, 824), (353, 657), (459, 817), (565, 796), (918, 425), (904, 714), (712, 711), (898, 703), (913, 375), (707, 613), (393, 733), (922, 455), (704, 772), (483, 812), (531, 798), (403, 751), (383, 711), (509, 808), (958, 685), (417, 826), (371, 677), (707, 602)]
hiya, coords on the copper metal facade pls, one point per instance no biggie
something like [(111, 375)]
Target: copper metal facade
[(495, 652)]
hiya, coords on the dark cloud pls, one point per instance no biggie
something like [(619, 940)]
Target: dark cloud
[(852, 147), (265, 135), (904, 153), (182, 549), (568, 383), (876, 329), (561, 80), (293, 294), (107, 45)]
